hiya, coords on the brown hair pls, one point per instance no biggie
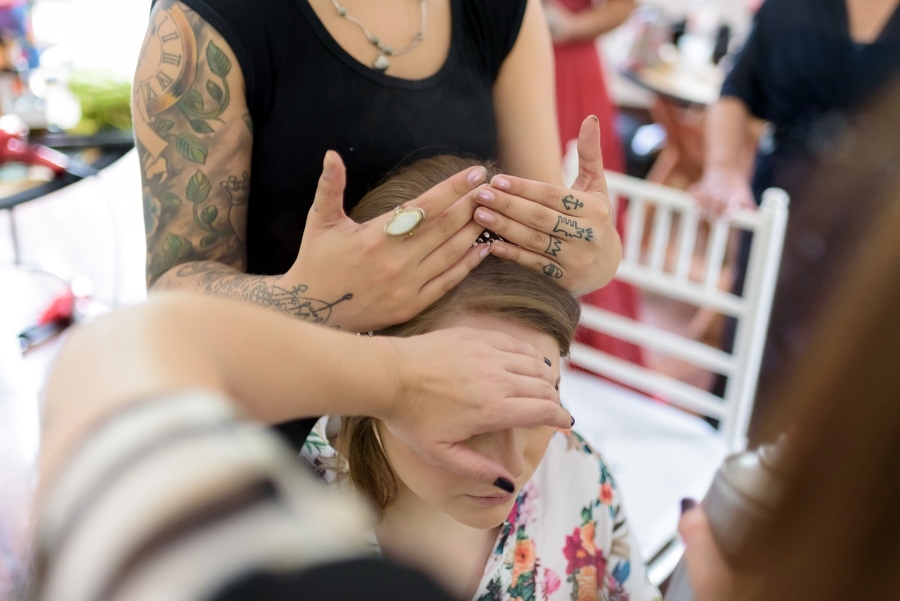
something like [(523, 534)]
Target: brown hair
[(836, 532), (496, 287)]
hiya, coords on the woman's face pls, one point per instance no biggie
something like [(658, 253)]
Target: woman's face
[(519, 450)]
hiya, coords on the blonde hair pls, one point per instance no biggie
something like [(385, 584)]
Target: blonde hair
[(496, 287)]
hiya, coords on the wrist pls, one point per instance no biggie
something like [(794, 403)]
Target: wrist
[(394, 382)]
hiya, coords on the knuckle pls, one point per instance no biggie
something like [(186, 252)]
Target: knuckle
[(548, 196), (537, 239), (541, 217), (446, 225)]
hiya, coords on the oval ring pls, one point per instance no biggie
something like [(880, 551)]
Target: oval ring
[(404, 222)]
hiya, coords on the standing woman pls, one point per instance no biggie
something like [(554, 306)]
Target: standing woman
[(806, 67), (237, 102), (581, 91)]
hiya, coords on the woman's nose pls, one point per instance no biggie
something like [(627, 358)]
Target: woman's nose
[(511, 451)]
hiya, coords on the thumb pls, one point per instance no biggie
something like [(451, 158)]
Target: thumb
[(328, 205), (590, 158), (466, 462)]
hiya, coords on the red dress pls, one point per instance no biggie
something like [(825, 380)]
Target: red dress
[(581, 91)]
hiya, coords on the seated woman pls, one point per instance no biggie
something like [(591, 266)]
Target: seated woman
[(562, 533)]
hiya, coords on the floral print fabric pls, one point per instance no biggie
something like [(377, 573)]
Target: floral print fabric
[(566, 537)]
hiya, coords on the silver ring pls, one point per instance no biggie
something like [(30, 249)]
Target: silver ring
[(404, 222)]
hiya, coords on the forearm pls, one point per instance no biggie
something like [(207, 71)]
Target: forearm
[(276, 369), (725, 135)]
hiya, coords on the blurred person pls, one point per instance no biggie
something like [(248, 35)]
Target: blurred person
[(834, 533), (237, 102), (806, 67), (581, 90)]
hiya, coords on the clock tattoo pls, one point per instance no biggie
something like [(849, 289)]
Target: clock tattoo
[(169, 66), (164, 76)]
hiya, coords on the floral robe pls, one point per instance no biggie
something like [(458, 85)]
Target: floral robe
[(566, 537)]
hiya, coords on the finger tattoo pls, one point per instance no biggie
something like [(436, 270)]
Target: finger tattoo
[(571, 203), (554, 247), (569, 227), (551, 270)]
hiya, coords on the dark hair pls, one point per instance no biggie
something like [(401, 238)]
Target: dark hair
[(836, 532), (496, 287)]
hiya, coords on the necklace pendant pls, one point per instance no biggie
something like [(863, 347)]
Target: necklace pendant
[(381, 63)]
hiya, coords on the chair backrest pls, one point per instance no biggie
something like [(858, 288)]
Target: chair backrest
[(651, 267)]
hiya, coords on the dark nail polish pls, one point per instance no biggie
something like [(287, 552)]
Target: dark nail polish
[(573, 421), (687, 505), (504, 485), (556, 386), (547, 361)]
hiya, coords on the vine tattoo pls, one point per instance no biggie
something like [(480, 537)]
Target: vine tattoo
[(184, 114), (569, 228), (551, 270), (571, 203), (554, 247), (259, 290)]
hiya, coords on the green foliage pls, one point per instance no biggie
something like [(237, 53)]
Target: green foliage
[(198, 188), (105, 99), (176, 247), (215, 90), (219, 64), (191, 148)]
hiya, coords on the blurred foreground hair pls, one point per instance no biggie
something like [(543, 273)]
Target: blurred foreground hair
[(836, 533)]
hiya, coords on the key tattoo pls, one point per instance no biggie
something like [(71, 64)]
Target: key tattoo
[(571, 203), (569, 227)]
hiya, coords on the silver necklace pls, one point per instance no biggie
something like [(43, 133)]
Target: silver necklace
[(384, 51)]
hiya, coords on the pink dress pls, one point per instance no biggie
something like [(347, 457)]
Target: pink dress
[(581, 91)]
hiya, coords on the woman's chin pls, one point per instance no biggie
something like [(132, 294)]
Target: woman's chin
[(483, 514)]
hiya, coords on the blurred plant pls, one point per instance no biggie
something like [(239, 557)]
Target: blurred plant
[(105, 98)]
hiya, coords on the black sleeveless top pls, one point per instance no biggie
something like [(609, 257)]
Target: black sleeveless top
[(307, 95), (801, 71)]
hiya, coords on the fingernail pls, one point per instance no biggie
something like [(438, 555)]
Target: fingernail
[(485, 195), (485, 250), (498, 250), (501, 182), (687, 505), (504, 485), (573, 417), (476, 175), (484, 217), (328, 164), (594, 117), (556, 388), (547, 361)]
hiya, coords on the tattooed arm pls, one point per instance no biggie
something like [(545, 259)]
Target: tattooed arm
[(194, 137)]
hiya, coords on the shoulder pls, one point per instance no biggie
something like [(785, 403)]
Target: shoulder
[(493, 25)]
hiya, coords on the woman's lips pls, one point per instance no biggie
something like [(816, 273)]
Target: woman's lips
[(491, 500)]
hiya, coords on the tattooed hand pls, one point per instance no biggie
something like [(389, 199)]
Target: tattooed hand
[(391, 280), (557, 231)]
